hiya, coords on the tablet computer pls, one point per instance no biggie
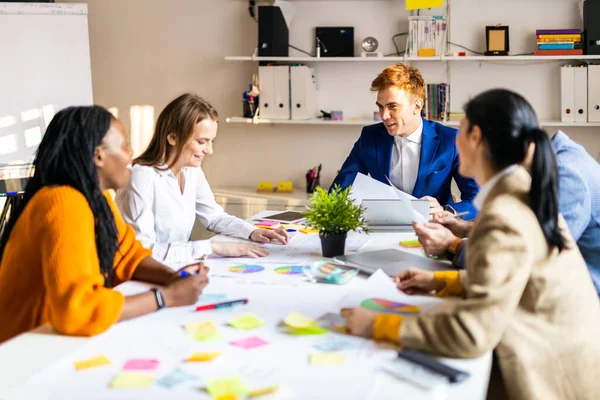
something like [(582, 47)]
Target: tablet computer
[(290, 217)]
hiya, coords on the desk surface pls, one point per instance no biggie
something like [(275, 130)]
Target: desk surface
[(41, 354)]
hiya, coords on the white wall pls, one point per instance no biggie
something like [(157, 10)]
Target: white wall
[(149, 51)]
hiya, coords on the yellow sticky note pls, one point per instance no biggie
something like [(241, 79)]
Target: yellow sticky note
[(230, 386), (200, 328), (417, 4), (284, 187), (309, 231), (262, 391), (131, 379), (327, 359), (92, 362), (265, 187), (208, 337), (298, 321), (247, 322), (293, 226), (203, 357), (311, 330)]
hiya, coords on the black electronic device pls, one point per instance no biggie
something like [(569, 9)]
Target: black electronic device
[(273, 34), (591, 27), (335, 41)]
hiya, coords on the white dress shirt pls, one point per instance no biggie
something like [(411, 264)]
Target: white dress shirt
[(405, 160), (485, 189), (163, 217)]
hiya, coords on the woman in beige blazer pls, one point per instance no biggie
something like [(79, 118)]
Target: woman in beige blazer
[(526, 292)]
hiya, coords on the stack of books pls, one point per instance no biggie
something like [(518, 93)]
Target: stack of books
[(437, 102), (426, 36), (558, 42)]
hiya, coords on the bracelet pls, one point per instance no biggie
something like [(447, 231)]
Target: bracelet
[(160, 301), (451, 251)]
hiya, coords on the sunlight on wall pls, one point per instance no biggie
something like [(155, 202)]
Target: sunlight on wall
[(142, 126)]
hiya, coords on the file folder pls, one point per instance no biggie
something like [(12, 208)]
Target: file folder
[(274, 86), (593, 93), (567, 94), (581, 93), (303, 92)]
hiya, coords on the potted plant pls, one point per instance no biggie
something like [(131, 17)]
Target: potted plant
[(334, 215)]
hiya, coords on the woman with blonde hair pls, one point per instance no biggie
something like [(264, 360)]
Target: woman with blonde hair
[(168, 190)]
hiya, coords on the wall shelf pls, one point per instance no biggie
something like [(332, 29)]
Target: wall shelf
[(364, 122), (424, 59)]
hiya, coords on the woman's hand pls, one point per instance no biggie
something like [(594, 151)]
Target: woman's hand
[(185, 291), (417, 281), (238, 249), (457, 226), (266, 235), (359, 322)]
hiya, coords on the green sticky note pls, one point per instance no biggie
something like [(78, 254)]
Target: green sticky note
[(310, 330), (247, 322), (232, 385)]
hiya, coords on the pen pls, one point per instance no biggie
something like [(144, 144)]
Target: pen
[(223, 304)]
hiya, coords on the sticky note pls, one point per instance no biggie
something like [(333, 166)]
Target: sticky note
[(247, 322), (208, 337), (418, 4), (175, 377), (261, 391), (92, 362), (295, 320), (284, 186), (327, 359), (131, 380), (140, 364), (336, 345), (293, 226), (203, 357), (265, 187), (212, 297), (229, 386), (309, 231), (249, 342), (413, 243), (268, 223), (201, 328)]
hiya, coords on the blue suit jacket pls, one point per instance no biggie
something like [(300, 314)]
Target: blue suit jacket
[(372, 155)]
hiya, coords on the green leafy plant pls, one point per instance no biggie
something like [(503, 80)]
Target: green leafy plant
[(334, 213)]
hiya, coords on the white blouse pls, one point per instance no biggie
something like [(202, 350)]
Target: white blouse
[(163, 217)]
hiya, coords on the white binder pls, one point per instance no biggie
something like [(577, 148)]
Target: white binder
[(274, 85), (593, 93), (304, 92), (581, 92), (567, 94)]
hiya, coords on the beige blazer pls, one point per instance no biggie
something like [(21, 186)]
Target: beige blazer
[(537, 308)]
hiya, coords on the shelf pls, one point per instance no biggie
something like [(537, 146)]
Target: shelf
[(364, 122), (419, 59)]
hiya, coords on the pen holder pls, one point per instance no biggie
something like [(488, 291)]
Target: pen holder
[(249, 109), (312, 184)]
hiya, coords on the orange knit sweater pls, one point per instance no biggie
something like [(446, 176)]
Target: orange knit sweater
[(50, 270)]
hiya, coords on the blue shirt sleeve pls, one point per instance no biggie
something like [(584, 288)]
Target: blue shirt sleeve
[(574, 199)]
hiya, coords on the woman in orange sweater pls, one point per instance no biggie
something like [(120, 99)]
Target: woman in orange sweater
[(66, 245)]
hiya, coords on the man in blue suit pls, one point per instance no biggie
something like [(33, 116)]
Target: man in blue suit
[(417, 156)]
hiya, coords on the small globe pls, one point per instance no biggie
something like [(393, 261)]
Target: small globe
[(370, 44)]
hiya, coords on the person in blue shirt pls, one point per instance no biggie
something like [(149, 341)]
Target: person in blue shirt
[(578, 202), (417, 156)]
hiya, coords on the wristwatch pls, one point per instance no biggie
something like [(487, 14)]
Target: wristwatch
[(451, 251), (160, 301), (450, 209)]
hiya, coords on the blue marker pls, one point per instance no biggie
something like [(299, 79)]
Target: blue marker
[(183, 274), (291, 230)]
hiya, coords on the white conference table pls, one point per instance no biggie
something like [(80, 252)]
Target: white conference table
[(40, 352)]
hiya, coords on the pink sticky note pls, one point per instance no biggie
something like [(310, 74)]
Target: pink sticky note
[(249, 342), (268, 223), (140, 364)]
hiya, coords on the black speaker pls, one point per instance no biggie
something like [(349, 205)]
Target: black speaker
[(335, 41), (591, 26), (273, 35)]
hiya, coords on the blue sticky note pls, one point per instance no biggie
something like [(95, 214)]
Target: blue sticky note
[(175, 377), (212, 297)]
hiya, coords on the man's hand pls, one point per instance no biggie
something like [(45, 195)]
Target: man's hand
[(434, 238), (435, 208)]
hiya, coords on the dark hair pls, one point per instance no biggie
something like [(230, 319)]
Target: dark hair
[(179, 117), (508, 125), (66, 157)]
